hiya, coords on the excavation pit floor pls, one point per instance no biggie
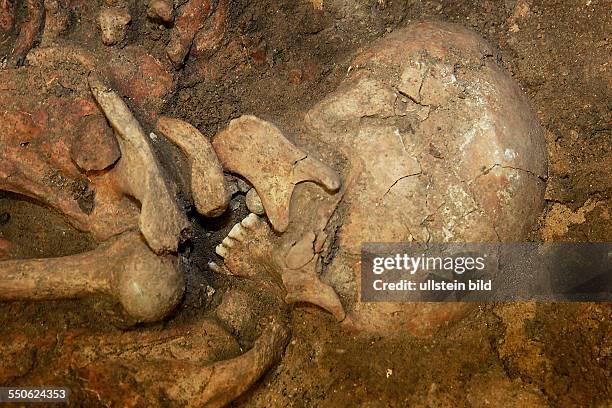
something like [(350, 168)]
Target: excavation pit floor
[(276, 59)]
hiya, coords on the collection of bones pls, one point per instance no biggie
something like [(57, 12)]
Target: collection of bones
[(426, 139)]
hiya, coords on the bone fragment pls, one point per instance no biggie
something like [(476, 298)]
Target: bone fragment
[(113, 24), (247, 246), (146, 285), (54, 55), (206, 41), (247, 250), (304, 285), (160, 221), (161, 10), (208, 187), (301, 280), (230, 379), (189, 20), (302, 252), (95, 147), (258, 151)]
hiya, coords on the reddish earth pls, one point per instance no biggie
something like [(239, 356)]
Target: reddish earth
[(275, 61)]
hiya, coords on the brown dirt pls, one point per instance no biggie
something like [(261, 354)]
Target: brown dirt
[(277, 58)]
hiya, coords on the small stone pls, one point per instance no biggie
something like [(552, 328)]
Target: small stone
[(243, 186), (253, 202), (234, 205), (113, 24), (232, 187)]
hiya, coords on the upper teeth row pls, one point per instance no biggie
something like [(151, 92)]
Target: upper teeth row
[(237, 233)]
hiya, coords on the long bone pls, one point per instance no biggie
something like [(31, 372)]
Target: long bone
[(147, 286), (139, 174)]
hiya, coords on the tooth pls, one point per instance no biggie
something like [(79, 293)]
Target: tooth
[(237, 233), (214, 267), (253, 202), (228, 242), (221, 251), (250, 220)]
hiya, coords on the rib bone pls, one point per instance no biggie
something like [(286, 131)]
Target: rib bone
[(146, 285)]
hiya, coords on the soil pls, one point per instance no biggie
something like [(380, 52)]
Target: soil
[(277, 59)]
